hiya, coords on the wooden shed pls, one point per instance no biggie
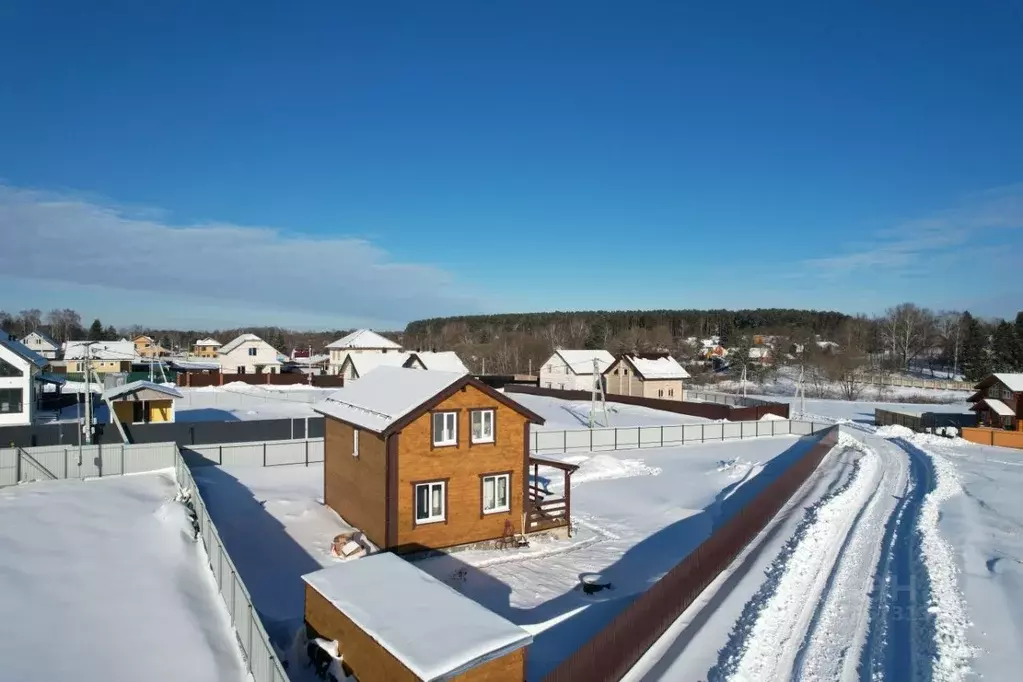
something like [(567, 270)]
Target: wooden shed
[(141, 402), (394, 623)]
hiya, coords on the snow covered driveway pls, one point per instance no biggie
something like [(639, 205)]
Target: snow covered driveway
[(852, 581)]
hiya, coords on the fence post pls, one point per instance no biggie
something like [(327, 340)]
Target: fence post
[(662, 435), (564, 441), (639, 437), (307, 450), (591, 440), (264, 448), (220, 456), (249, 652), (616, 438), (122, 459), (17, 465)]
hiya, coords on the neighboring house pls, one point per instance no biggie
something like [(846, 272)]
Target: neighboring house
[(306, 364), (206, 348), (42, 344), (19, 367), (429, 460), (828, 346), (715, 351), (394, 622), (442, 361), (572, 370), (998, 401), (358, 365), (645, 375), (360, 342), (147, 348), (106, 356), (141, 402), (761, 354), (248, 354)]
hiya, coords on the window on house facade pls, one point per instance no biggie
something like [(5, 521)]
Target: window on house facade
[(252, 352), (10, 400), (671, 392), (660, 393), (430, 502), (241, 369), (9, 370), (495, 493), (482, 426), (445, 428), (355, 442)]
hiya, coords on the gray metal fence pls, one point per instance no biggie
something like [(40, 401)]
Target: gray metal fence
[(725, 399), (260, 657), (265, 453), (635, 437), (20, 465)]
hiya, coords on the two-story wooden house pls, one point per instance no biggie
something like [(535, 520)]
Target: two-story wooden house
[(427, 460), (649, 375), (998, 402)]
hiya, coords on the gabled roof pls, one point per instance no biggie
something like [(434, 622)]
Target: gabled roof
[(238, 341), (581, 361), (1014, 382), (208, 342), (136, 386), (996, 406), (380, 593), (23, 351), (442, 361), (364, 363), (387, 398), (101, 350), (45, 337), (662, 367), (145, 337), (364, 338)]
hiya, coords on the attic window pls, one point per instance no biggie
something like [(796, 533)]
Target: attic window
[(252, 352)]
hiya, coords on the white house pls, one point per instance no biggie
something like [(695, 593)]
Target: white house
[(106, 356), (656, 375), (358, 365), (42, 344), (248, 354), (440, 361), (18, 368), (572, 370), (362, 341)]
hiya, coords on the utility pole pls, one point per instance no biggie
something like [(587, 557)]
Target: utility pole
[(743, 380), (309, 364), (596, 389), (88, 394), (801, 392), (530, 372)]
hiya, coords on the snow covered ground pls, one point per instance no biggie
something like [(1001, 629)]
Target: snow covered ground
[(101, 580), (238, 401), (574, 414)]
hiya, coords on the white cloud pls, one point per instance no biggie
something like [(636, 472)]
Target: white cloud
[(84, 241), (979, 217)]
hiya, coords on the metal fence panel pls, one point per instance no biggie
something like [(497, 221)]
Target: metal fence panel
[(605, 439), (62, 462), (731, 430), (748, 429), (650, 436), (673, 434), (628, 438), (575, 441)]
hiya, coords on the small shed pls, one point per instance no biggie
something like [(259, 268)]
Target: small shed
[(141, 402), (394, 623)]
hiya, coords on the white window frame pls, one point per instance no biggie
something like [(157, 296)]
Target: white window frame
[(493, 426), (355, 442), (437, 435), (507, 494), (432, 518)]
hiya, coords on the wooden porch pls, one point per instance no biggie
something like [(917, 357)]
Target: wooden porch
[(544, 510)]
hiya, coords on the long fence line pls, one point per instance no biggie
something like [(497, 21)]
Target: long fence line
[(905, 382), (924, 421), (260, 658), (671, 435), (615, 649), (21, 465)]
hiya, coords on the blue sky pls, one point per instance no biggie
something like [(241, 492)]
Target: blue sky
[(339, 164)]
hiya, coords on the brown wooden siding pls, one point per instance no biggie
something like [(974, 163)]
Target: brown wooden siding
[(356, 487), (371, 662), (462, 466)]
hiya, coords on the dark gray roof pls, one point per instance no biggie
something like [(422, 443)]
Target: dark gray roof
[(20, 349)]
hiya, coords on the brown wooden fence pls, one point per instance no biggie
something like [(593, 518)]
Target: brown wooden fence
[(612, 652), (996, 437), (706, 410), (194, 380)]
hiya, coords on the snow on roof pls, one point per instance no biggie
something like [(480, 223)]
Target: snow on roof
[(581, 361), (23, 351), (1014, 382), (364, 363), (311, 360), (136, 386), (43, 336), (665, 367), (194, 365), (364, 338), (237, 341), (999, 408), (379, 592), (208, 342), (101, 350), (759, 352), (444, 361), (383, 396)]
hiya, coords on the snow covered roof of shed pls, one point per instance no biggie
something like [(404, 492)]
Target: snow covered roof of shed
[(136, 386), (23, 351), (664, 367), (101, 350), (208, 342), (581, 361), (444, 361), (364, 338), (1014, 382), (996, 406), (379, 592), (364, 363)]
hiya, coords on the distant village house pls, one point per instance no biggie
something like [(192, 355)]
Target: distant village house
[(362, 341), (248, 354), (648, 375), (573, 370)]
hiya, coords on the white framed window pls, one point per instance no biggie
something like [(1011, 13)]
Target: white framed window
[(482, 426), (355, 442), (496, 493), (430, 502), (445, 428)]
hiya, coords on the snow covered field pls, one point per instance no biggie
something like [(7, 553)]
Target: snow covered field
[(238, 401), (574, 414), (101, 580)]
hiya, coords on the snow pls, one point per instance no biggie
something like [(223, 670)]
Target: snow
[(100, 350), (581, 361), (102, 580), (1014, 382), (236, 342), (573, 414), (364, 363), (135, 386), (444, 361), (999, 408), (380, 398), (238, 401), (658, 368), (364, 338), (380, 592)]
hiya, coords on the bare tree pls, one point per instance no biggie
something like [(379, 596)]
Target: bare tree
[(950, 328), (907, 330), (29, 320)]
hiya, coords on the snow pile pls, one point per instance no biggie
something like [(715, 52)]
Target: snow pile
[(894, 431), (771, 417), (947, 604), (607, 467)]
